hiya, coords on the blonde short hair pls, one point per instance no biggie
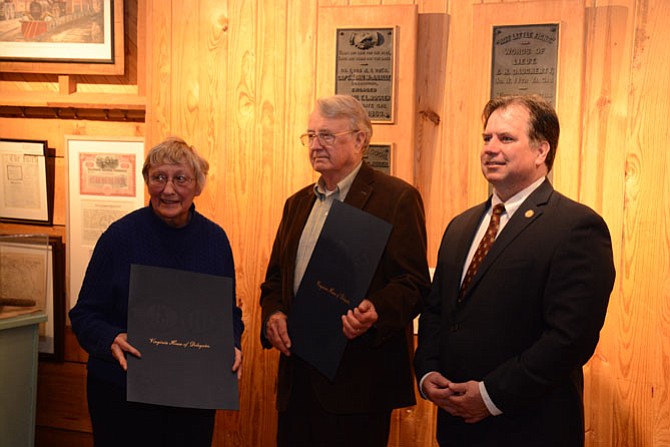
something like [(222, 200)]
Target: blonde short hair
[(174, 151)]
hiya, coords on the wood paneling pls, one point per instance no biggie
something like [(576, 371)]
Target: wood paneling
[(237, 79), (64, 405), (55, 437), (636, 339)]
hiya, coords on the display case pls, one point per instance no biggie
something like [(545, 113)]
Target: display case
[(19, 337)]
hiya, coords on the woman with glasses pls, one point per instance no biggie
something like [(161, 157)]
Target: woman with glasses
[(167, 233)]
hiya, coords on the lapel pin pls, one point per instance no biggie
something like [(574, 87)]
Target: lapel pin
[(529, 214)]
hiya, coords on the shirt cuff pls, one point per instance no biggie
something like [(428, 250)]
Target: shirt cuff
[(421, 384), (495, 411)]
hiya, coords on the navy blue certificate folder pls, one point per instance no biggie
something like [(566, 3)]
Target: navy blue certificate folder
[(337, 277), (181, 322)]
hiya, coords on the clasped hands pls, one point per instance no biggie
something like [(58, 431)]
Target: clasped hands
[(462, 400), (120, 347), (355, 323)]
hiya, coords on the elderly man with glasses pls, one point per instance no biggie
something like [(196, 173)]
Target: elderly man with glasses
[(374, 375)]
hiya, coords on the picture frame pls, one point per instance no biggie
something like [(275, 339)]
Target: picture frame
[(26, 182), (64, 37), (104, 183), (380, 156), (365, 68), (524, 60), (32, 277)]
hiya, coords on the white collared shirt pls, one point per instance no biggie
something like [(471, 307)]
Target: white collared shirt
[(511, 206)]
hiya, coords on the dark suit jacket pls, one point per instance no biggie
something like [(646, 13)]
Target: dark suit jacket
[(528, 322), (375, 373)]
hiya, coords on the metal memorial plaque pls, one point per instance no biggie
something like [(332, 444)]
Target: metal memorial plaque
[(378, 156), (524, 61), (365, 69)]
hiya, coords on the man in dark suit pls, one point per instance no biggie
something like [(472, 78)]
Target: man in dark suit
[(374, 375), (501, 347)]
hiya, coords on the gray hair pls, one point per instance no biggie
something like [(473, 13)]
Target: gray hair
[(346, 106), (174, 151)]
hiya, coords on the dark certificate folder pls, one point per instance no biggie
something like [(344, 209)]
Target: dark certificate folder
[(181, 322), (337, 277)]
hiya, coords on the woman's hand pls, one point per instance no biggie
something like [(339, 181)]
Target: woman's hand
[(120, 346)]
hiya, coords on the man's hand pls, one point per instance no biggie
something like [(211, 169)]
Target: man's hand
[(466, 402), (436, 388), (120, 346), (276, 331), (357, 321)]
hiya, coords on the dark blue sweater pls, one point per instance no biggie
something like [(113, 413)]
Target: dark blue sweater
[(141, 237)]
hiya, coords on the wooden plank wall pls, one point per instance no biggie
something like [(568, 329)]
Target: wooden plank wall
[(236, 79)]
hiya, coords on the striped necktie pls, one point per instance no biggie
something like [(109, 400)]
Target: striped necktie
[(483, 248)]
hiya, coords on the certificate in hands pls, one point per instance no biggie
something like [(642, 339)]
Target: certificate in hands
[(181, 322), (337, 277)]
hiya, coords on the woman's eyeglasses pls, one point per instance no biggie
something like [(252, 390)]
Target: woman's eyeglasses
[(160, 180)]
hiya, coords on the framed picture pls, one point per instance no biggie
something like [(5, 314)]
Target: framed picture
[(525, 60), (365, 69), (32, 276), (82, 37), (26, 192), (104, 184), (379, 156)]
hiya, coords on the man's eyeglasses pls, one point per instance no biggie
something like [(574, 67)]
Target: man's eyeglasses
[(325, 138), (160, 180)]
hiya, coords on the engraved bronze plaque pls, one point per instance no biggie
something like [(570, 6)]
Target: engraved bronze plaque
[(365, 69), (378, 156), (525, 60)]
